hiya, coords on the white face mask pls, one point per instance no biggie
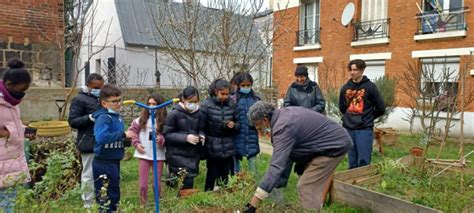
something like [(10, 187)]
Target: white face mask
[(192, 106)]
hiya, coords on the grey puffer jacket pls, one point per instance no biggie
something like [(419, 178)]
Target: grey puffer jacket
[(308, 96), (300, 134)]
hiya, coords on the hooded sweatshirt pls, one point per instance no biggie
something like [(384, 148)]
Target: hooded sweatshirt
[(360, 103), (109, 135)]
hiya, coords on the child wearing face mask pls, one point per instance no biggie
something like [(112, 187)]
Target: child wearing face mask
[(140, 130), (80, 118), (246, 140), (184, 138), (13, 167), (221, 125), (109, 147)]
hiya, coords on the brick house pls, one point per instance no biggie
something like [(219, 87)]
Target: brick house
[(28, 30), (389, 35)]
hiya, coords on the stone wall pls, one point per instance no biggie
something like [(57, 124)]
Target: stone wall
[(33, 31)]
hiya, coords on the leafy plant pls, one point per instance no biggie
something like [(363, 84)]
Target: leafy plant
[(386, 87)]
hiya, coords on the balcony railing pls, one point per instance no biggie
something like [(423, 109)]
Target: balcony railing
[(441, 21), (307, 37), (371, 29)]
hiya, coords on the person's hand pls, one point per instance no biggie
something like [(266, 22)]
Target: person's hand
[(91, 118), (4, 133), (140, 148), (128, 134), (249, 208), (230, 124), (192, 139), (160, 140), (30, 136)]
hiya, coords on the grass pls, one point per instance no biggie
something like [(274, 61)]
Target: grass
[(232, 198)]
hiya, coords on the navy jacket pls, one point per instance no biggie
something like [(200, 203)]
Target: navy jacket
[(109, 135), (219, 138), (246, 140)]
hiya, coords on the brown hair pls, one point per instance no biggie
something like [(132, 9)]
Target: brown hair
[(360, 64), (160, 114)]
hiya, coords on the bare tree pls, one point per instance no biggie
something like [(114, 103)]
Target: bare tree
[(79, 30), (214, 41), (431, 93)]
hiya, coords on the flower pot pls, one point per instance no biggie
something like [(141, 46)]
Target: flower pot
[(416, 151), (51, 128)]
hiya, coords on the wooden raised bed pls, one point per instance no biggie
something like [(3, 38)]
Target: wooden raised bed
[(346, 189)]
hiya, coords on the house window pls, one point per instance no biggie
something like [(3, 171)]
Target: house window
[(309, 22), (313, 72), (441, 16), (440, 77), (375, 69), (373, 10), (98, 66), (440, 5), (373, 21)]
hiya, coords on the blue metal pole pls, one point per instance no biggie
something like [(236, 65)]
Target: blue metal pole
[(153, 135), (155, 166)]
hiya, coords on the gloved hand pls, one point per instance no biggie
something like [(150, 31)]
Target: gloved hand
[(249, 208), (192, 139)]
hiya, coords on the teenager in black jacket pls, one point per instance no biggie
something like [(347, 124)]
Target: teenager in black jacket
[(184, 136), (220, 115)]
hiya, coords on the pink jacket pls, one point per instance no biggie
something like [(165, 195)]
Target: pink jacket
[(13, 166)]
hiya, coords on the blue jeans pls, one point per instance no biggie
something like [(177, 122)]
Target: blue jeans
[(361, 152), (7, 199), (251, 162)]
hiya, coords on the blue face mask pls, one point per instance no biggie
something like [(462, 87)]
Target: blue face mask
[(111, 111), (245, 90), (95, 92)]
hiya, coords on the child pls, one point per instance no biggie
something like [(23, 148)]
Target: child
[(109, 149), (140, 130), (184, 134), (13, 166), (221, 125), (246, 140)]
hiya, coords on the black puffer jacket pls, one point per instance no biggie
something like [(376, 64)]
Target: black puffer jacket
[(179, 153), (219, 138), (308, 96), (82, 106)]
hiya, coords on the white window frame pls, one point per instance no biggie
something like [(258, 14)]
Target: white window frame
[(427, 63), (315, 16)]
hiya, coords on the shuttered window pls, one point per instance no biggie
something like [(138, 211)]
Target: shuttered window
[(374, 10)]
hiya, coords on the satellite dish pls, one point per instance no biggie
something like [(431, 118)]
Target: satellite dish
[(347, 14)]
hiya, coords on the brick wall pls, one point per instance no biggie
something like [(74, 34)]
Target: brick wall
[(32, 31), (336, 43)]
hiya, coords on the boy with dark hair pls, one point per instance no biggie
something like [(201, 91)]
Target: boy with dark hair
[(109, 147), (80, 118), (360, 103)]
